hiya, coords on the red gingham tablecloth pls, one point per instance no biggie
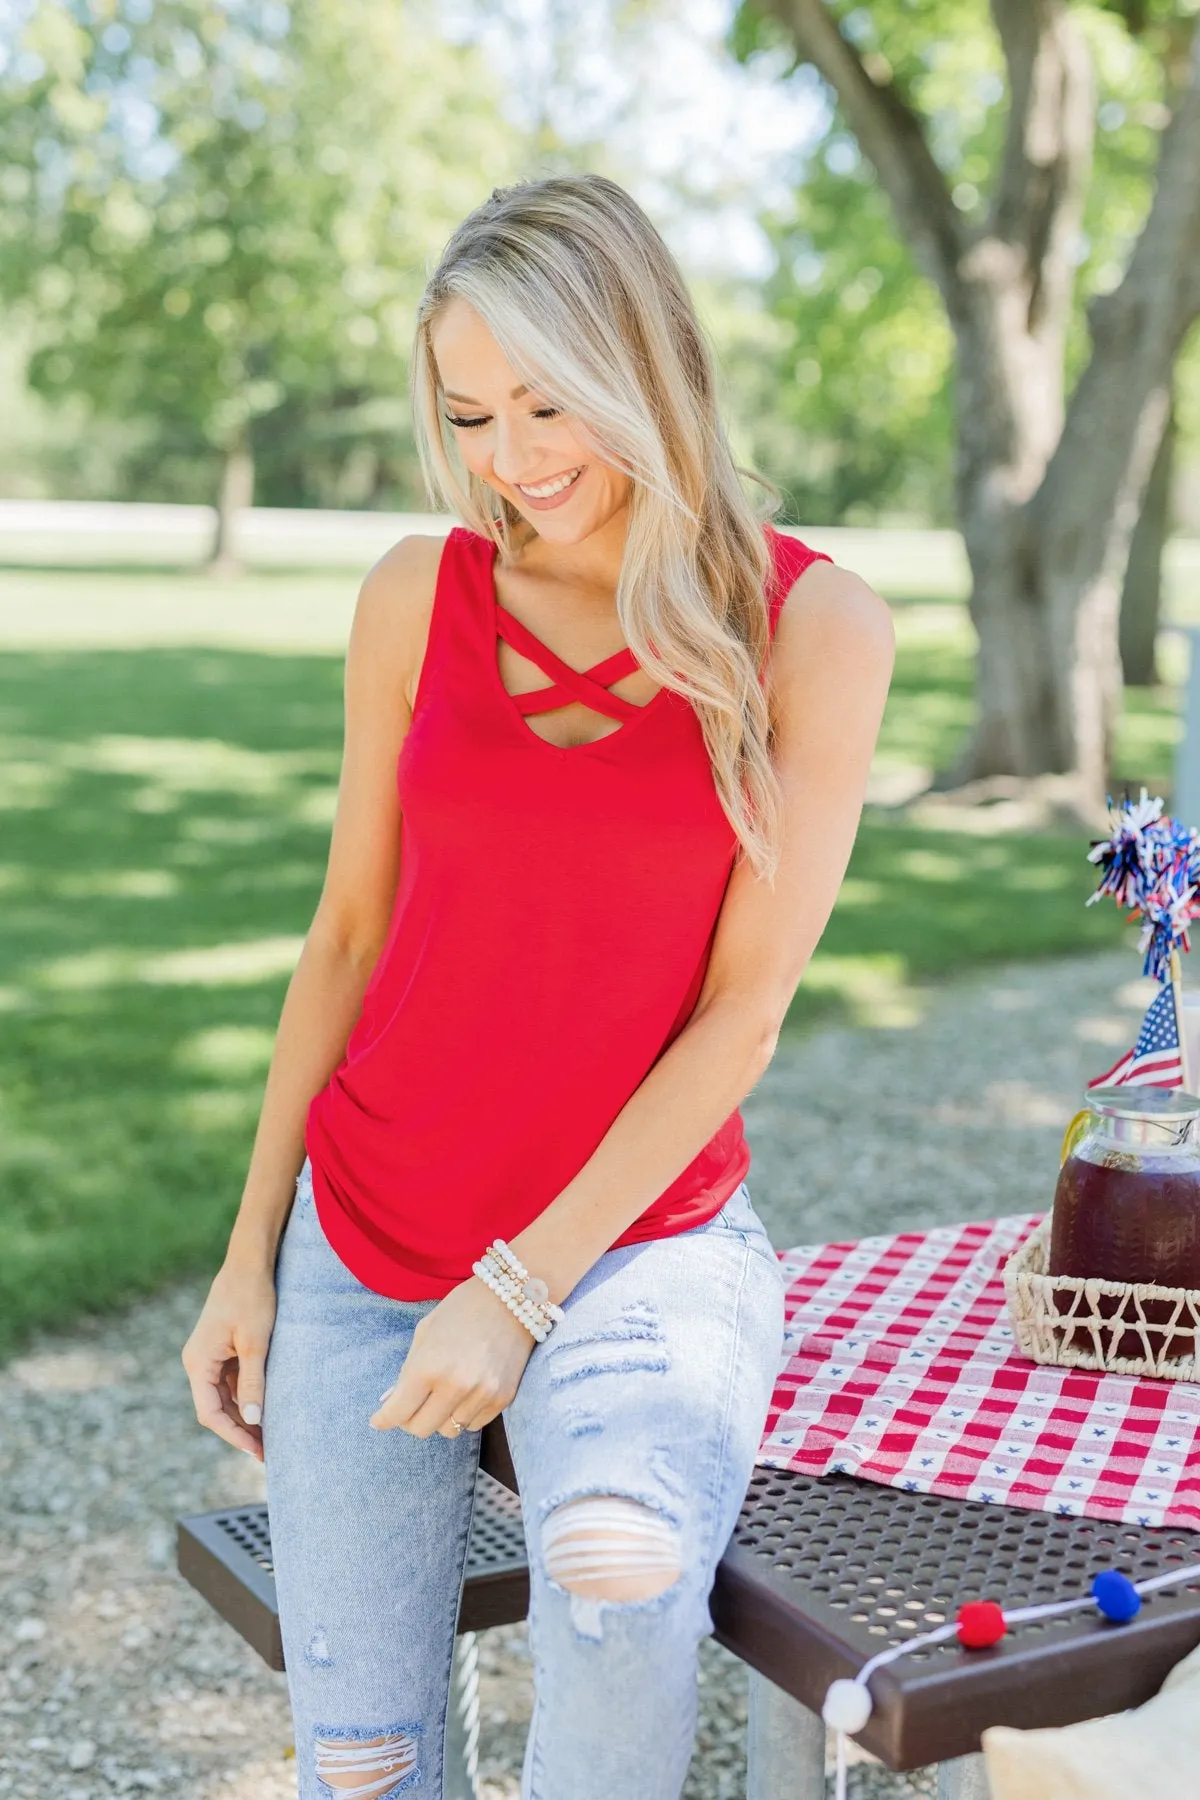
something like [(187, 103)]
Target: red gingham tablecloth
[(900, 1367)]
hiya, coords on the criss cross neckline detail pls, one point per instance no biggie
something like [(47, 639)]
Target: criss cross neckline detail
[(591, 686)]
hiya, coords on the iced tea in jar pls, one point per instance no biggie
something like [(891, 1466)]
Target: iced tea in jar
[(1127, 1204)]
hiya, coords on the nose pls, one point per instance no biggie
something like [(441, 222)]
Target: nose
[(513, 452)]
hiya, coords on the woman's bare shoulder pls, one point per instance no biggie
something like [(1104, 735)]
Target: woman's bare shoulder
[(394, 609), (836, 608)]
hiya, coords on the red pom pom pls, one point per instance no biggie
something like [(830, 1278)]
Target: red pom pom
[(980, 1624)]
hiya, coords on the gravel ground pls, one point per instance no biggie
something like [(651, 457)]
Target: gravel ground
[(116, 1679)]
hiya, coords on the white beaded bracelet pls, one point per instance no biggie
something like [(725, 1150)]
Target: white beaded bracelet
[(530, 1285), (514, 1300), (528, 1305)]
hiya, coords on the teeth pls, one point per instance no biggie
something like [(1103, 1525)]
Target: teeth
[(551, 487)]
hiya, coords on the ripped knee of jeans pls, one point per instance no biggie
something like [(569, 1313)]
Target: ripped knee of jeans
[(365, 1765), (609, 1547)]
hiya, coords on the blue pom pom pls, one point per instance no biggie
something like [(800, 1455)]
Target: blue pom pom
[(1116, 1596)]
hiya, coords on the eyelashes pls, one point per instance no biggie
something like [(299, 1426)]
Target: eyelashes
[(543, 412)]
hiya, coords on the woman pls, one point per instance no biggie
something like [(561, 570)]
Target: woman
[(605, 754)]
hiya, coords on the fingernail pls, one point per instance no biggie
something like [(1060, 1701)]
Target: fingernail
[(251, 1414), (385, 1394)]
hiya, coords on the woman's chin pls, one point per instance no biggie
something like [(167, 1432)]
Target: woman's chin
[(570, 524)]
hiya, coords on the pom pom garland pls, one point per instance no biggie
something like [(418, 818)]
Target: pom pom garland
[(979, 1625), (1116, 1596), (847, 1706)]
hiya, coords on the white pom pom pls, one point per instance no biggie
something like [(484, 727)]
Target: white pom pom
[(847, 1706)]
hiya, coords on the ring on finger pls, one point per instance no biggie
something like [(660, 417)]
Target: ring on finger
[(459, 1423)]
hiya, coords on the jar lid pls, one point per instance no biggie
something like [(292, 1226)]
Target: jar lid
[(1170, 1105)]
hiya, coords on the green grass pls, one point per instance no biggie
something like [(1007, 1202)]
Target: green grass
[(164, 819), (154, 802)]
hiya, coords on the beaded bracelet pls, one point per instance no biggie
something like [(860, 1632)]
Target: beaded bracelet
[(527, 1297), (525, 1293), (514, 1300), (534, 1288), (529, 1289)]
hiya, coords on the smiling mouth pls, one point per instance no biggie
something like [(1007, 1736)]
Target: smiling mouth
[(546, 490)]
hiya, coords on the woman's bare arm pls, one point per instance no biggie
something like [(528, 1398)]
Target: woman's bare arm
[(225, 1354), (351, 919)]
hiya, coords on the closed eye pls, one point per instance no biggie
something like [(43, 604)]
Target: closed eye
[(473, 424)]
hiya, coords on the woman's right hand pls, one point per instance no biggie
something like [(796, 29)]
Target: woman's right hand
[(226, 1355)]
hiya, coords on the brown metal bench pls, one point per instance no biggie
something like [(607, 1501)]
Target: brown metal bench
[(818, 1576), (226, 1556)]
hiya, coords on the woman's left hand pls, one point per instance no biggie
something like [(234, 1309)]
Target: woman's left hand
[(466, 1359)]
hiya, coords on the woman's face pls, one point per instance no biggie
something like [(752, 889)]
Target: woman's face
[(514, 440)]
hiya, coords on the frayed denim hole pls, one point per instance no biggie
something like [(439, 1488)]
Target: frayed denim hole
[(647, 1362), (581, 1422), (645, 1496), (366, 1762), (629, 1331), (601, 1538), (637, 1324)]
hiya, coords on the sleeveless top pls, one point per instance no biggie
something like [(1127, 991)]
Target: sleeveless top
[(550, 933)]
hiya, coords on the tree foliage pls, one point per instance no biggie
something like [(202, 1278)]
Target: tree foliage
[(865, 371), (1063, 376), (218, 215)]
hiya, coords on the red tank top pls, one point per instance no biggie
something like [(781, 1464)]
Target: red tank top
[(550, 934)]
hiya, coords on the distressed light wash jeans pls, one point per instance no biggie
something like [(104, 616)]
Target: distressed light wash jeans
[(654, 1388)]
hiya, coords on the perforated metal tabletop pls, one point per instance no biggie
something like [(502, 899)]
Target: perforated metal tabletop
[(822, 1574)]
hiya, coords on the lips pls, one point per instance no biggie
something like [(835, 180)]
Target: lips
[(549, 493)]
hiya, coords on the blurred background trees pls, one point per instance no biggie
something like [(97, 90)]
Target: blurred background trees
[(215, 214), (984, 145), (906, 223), (216, 224)]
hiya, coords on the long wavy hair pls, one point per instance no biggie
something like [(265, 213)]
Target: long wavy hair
[(590, 309)]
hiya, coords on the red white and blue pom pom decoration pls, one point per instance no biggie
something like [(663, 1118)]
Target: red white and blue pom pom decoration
[(979, 1625), (1168, 909), (1151, 865), (1125, 854)]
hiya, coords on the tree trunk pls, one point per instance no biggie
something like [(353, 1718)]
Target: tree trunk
[(1045, 603), (236, 493), (1048, 494), (1142, 596)]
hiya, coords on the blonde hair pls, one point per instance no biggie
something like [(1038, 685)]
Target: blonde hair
[(590, 309)]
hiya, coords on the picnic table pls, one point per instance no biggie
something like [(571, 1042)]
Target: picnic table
[(822, 1572), (818, 1576)]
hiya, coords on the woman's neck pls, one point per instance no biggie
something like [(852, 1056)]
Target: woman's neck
[(594, 562)]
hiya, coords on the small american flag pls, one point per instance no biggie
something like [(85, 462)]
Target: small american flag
[(1155, 1059)]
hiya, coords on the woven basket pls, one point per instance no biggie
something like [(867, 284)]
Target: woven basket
[(1111, 1325)]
